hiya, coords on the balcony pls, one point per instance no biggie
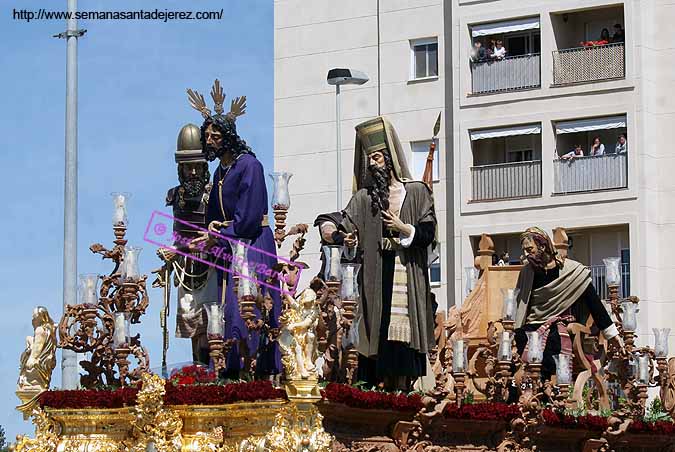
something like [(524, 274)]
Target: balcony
[(584, 174), (506, 181), (509, 74), (589, 64)]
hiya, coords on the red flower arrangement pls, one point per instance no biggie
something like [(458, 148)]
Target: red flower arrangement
[(222, 394), (483, 411), (190, 375), (89, 398), (357, 398)]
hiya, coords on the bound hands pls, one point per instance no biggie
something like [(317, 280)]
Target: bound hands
[(205, 239), (393, 222)]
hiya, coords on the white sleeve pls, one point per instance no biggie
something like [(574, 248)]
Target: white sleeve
[(406, 242), (610, 332)]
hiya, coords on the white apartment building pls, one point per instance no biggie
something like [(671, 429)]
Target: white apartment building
[(507, 123)]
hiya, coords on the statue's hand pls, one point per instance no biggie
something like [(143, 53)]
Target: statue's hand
[(203, 242), (351, 240)]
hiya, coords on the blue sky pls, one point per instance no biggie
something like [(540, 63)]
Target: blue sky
[(132, 103)]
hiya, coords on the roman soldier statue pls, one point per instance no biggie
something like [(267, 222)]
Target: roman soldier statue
[(196, 281), (237, 210), (391, 219)]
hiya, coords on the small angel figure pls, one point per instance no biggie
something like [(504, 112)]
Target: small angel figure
[(298, 337)]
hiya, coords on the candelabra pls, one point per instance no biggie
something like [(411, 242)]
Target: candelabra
[(100, 323)]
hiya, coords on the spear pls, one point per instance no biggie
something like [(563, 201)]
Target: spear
[(428, 177)]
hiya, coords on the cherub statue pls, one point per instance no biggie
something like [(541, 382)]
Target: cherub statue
[(39, 358), (298, 337)]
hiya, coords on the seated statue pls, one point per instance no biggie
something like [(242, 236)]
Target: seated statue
[(39, 358)]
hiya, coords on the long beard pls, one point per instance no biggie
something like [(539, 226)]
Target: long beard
[(194, 187), (539, 260), (379, 190), (213, 153)]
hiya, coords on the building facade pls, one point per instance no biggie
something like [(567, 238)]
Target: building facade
[(512, 119)]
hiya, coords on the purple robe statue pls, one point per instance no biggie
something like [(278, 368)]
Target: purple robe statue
[(239, 195)]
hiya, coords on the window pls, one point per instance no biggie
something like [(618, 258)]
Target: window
[(424, 58), (435, 268), (519, 156), (420, 151), (522, 43)]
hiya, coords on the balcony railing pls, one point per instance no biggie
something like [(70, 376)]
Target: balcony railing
[(512, 73), (599, 281), (588, 64), (506, 181), (603, 172)]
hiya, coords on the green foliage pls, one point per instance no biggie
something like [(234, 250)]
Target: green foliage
[(468, 398), (4, 447), (655, 412)]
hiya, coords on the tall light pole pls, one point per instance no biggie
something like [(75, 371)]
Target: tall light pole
[(340, 77), (69, 370)]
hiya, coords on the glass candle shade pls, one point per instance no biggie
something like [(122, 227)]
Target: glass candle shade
[(281, 199), (505, 346), (119, 217), (509, 306), (459, 359), (350, 285), (240, 249), (122, 327), (248, 287), (332, 255), (89, 288), (661, 342), (130, 269), (629, 315), (563, 369), (535, 350), (612, 271), (643, 368), (471, 275), (215, 316)]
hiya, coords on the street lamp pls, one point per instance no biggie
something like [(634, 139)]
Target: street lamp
[(339, 77)]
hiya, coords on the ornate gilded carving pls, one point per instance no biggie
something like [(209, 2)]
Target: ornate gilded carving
[(298, 335), (46, 435), (154, 424), (294, 430)]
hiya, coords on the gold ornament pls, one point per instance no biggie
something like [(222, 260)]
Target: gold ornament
[(46, 435)]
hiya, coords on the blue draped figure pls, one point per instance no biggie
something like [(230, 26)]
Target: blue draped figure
[(237, 209)]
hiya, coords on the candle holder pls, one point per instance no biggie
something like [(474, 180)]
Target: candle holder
[(119, 217), (247, 295), (332, 255), (215, 328), (281, 202), (661, 342), (349, 290), (629, 322), (459, 366), (99, 324), (509, 306), (471, 275)]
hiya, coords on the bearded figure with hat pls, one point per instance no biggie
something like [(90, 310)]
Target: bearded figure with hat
[(391, 219), (237, 210), (195, 280), (553, 293)]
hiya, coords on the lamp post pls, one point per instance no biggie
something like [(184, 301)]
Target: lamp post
[(338, 77)]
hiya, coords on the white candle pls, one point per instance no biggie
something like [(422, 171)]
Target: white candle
[(120, 335), (348, 283), (458, 356), (335, 255), (505, 347), (643, 368)]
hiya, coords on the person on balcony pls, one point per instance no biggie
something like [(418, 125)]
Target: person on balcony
[(619, 34), (500, 52), (597, 148), (577, 151), (604, 37), (554, 292), (478, 52), (621, 145)]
